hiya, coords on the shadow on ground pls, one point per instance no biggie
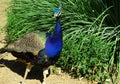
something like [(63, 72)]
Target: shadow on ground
[(19, 68)]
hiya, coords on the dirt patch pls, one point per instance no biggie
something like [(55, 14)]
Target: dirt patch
[(13, 73)]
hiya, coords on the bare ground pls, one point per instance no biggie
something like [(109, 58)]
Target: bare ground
[(12, 72)]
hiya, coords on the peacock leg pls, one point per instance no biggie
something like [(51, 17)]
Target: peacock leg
[(28, 69), (45, 72)]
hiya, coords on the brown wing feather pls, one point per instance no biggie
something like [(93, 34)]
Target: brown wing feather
[(30, 42)]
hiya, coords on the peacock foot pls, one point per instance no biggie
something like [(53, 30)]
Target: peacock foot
[(59, 71), (21, 82), (43, 83), (2, 65)]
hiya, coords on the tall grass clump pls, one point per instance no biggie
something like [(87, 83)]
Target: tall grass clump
[(88, 56), (91, 31)]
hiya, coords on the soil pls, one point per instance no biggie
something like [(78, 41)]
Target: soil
[(11, 72)]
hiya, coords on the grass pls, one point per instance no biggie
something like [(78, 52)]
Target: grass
[(90, 29)]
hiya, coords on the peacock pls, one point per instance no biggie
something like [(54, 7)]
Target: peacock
[(38, 48)]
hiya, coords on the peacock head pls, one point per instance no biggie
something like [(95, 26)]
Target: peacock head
[(57, 12)]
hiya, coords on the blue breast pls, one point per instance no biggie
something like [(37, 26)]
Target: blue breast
[(54, 42)]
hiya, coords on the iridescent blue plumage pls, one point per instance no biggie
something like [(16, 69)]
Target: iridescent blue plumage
[(54, 42)]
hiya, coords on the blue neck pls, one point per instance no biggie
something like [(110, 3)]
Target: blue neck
[(54, 43), (58, 28)]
